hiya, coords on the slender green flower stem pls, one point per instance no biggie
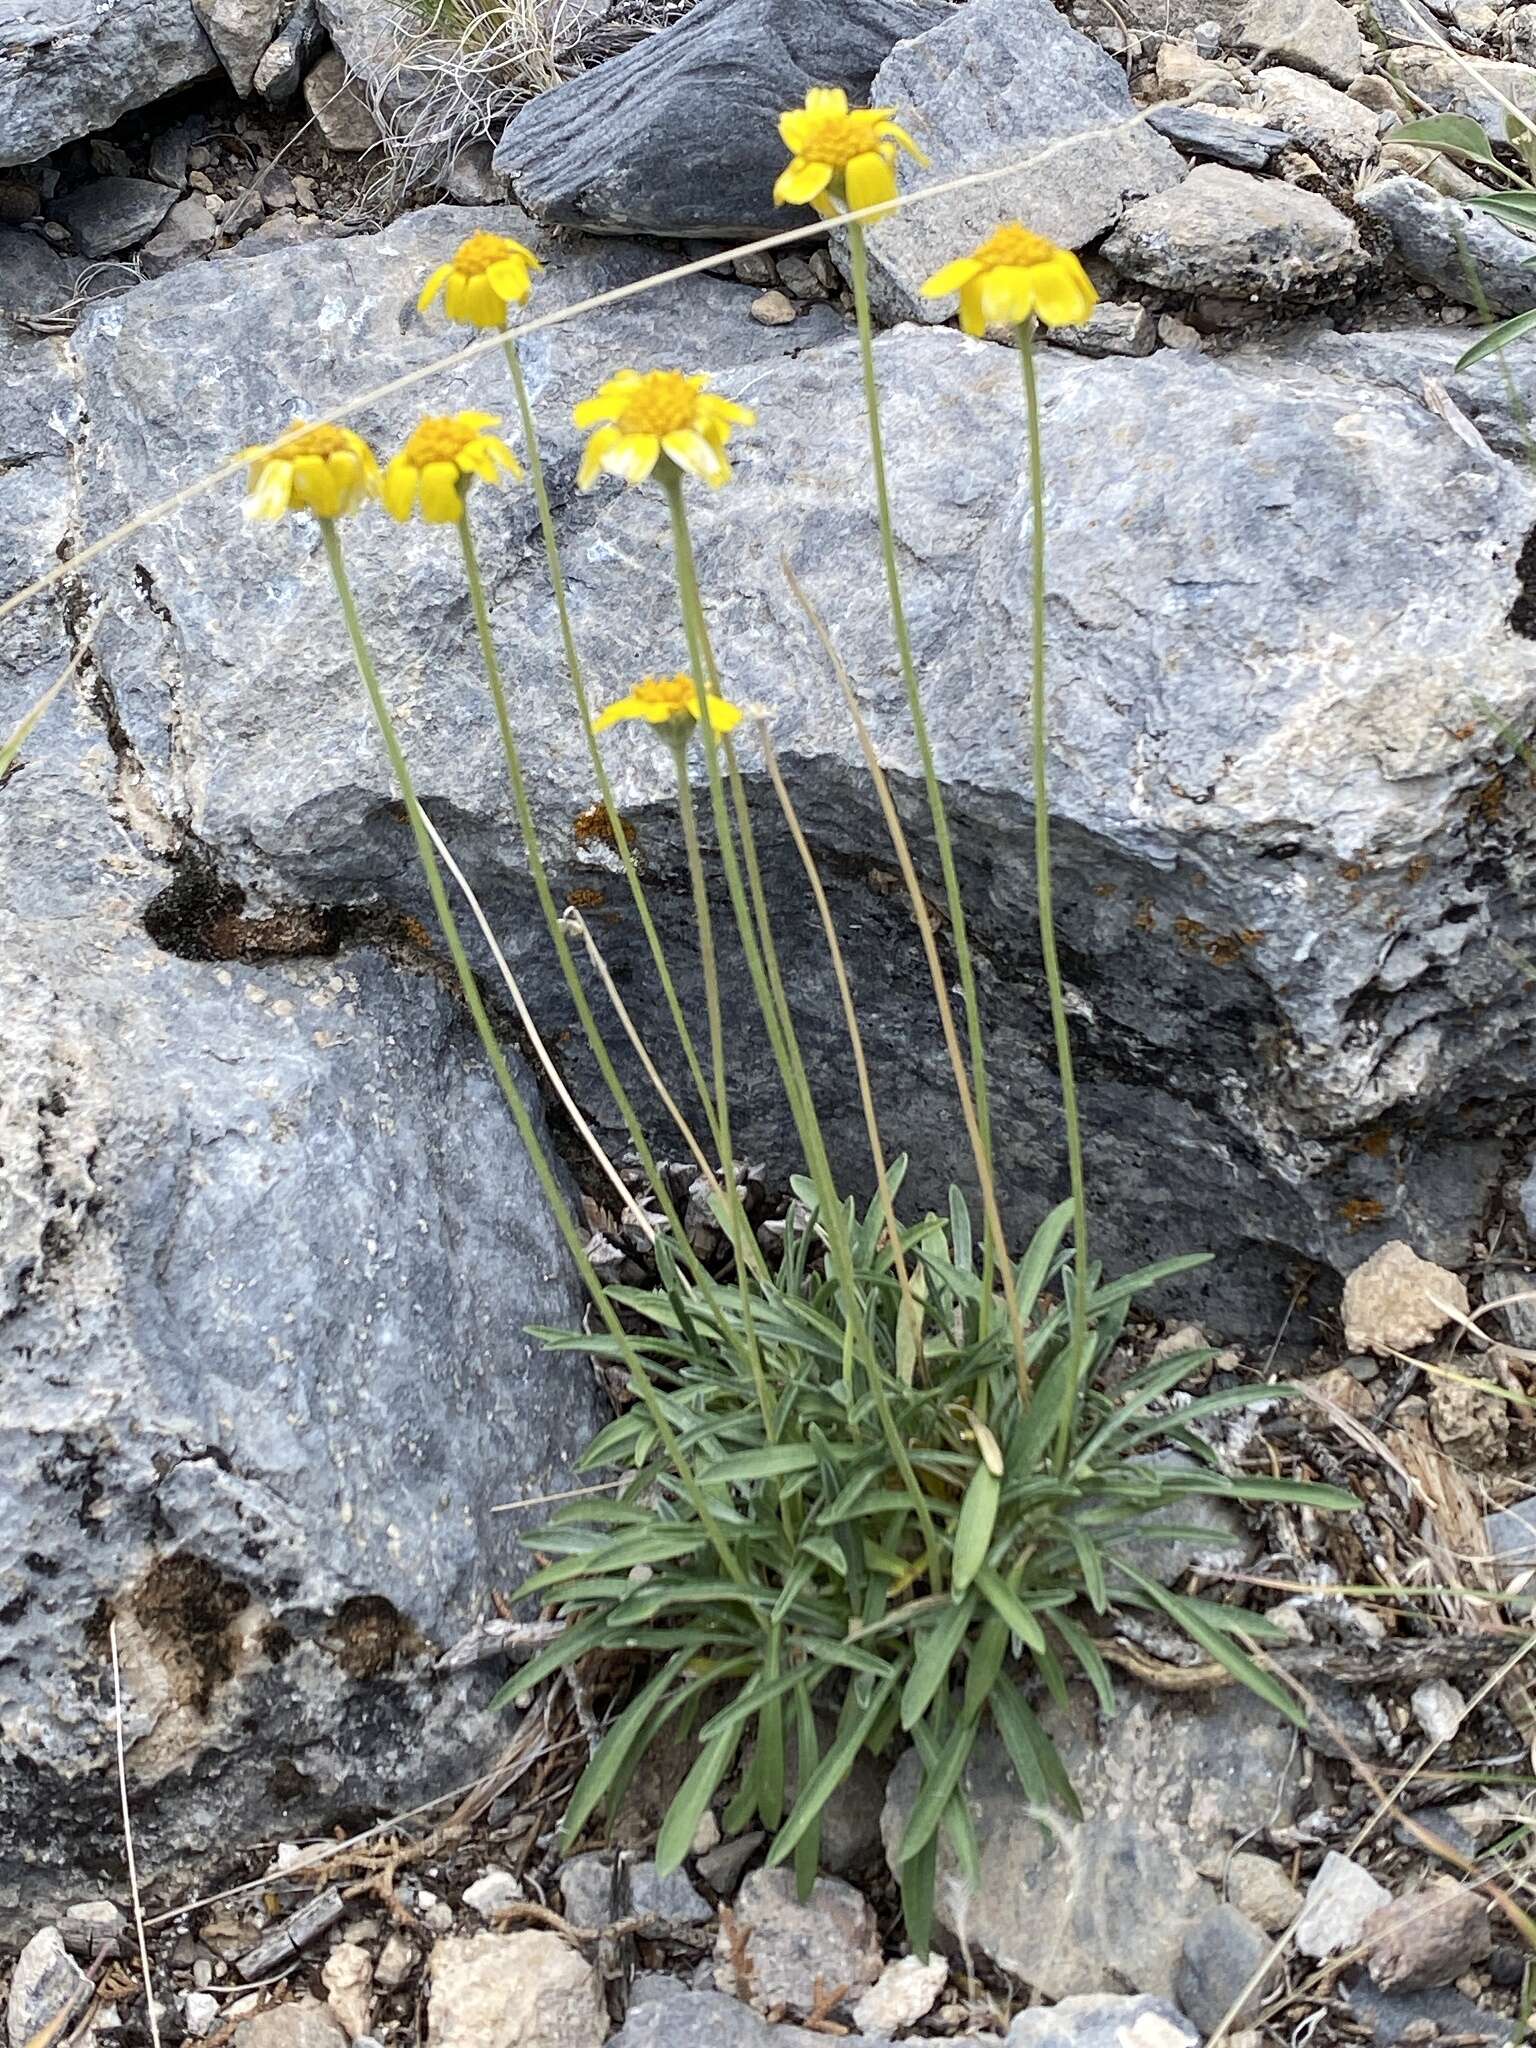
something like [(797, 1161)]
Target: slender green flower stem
[(741, 1228), (859, 255), (540, 877), (616, 826), (521, 1116), (1053, 981), (781, 1029)]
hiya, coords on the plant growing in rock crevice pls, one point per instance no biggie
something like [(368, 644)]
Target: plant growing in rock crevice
[(864, 1468)]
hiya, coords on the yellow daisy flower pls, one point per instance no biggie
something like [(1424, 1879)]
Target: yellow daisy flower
[(672, 701), (842, 158), (325, 470), (437, 464), (1013, 277), (488, 273), (658, 416)]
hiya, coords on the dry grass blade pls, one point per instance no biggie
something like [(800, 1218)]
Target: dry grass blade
[(150, 2007), (627, 1202), (30, 720)]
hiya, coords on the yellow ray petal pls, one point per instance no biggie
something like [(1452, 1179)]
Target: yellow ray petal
[(592, 457), (950, 278), (441, 499), (433, 286), (800, 182), (400, 481), (632, 456)]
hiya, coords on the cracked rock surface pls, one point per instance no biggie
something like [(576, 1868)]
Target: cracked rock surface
[(266, 1264), (1290, 871)]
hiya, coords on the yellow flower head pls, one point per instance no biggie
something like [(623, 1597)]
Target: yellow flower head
[(437, 464), (1013, 277), (324, 470), (658, 416), (673, 702), (842, 158), (488, 273)]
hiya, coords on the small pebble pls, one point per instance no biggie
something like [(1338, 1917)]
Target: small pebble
[(773, 309), (493, 1893)]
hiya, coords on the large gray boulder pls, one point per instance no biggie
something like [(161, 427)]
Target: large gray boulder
[(1463, 252), (679, 134), (1288, 847), (996, 82), (268, 1253), (71, 67)]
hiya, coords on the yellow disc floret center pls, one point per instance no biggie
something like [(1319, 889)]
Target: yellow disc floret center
[(320, 441), (671, 694), (836, 139), (474, 257), (663, 402), (1016, 248), (439, 440)]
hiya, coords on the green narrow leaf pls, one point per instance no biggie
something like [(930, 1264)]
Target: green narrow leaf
[(1004, 1601), (973, 1530), (961, 1245), (1220, 1647), (818, 1788), (1030, 1273), (1086, 1651), (1030, 1749), (937, 1649), (939, 1782), (687, 1809), (631, 1728), (1497, 337), (984, 1663), (917, 1877), (772, 1461), (770, 1744), (807, 1757)]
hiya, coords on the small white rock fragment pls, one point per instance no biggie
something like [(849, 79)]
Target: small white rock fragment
[(199, 2013), (347, 1975), (1438, 1708), (905, 1993), (98, 1917), (1340, 1899), (706, 1835), (493, 1893), (1389, 1301), (773, 309), (397, 1959)]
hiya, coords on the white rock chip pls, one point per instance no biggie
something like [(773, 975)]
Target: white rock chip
[(525, 1990), (904, 1994), (200, 2013), (492, 1893), (348, 1979), (1388, 1305), (1340, 1899), (1438, 1708)]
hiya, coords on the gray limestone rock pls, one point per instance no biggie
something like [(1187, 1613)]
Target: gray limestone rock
[(1104, 2021), (241, 32), (268, 1251), (280, 70), (1221, 1956), (1337, 130), (678, 135), (71, 67), (995, 82), (1316, 35), (1446, 83), (189, 230), (1464, 253), (798, 1954), (1075, 1908), (1219, 135), (1250, 859), (114, 214), (1397, 2019), (1230, 233), (340, 107)]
